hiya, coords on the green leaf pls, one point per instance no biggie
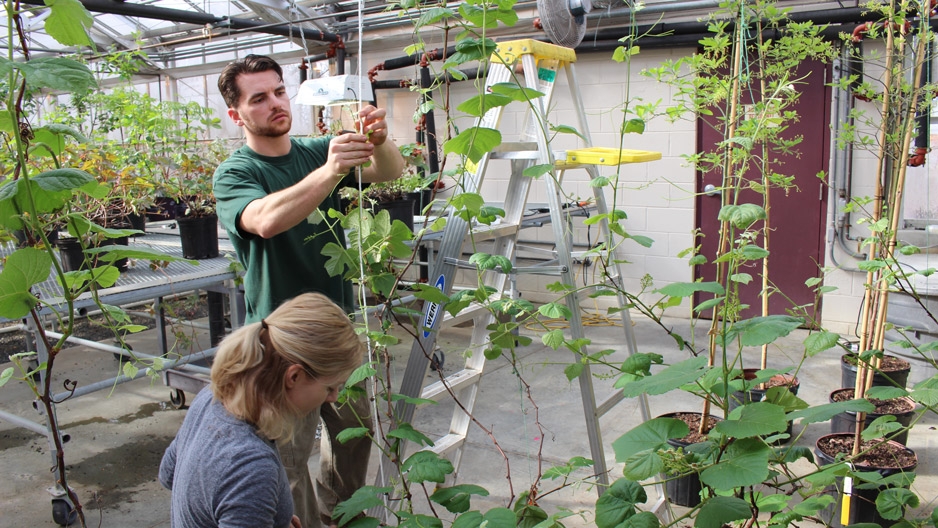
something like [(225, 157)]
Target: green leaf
[(618, 503), (824, 412), (65, 179), (434, 15), (417, 520), (573, 371), (480, 104), (648, 436), (69, 22), (668, 379), (742, 278), (405, 431), (745, 463), (473, 143), (812, 505), (553, 339), (24, 268), (755, 419), (885, 393), (891, 503), (6, 375), (456, 499), (6, 119), (763, 330), (568, 468), (57, 73), (555, 310), (686, 289), (536, 171), (351, 433), (488, 262), (567, 129), (742, 215), (364, 499), (634, 126), (773, 503), (426, 466), (643, 519), (516, 92), (643, 465), (722, 510), (753, 252), (470, 49), (818, 342), (494, 518)]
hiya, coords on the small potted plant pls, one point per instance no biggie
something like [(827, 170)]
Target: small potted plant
[(195, 215)]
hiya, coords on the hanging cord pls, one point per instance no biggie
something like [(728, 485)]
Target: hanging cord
[(363, 301)]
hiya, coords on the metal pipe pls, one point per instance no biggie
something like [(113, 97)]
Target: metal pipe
[(104, 384), (118, 350), (19, 421)]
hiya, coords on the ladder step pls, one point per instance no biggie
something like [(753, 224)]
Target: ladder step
[(483, 232), (455, 382), (606, 156), (446, 444)]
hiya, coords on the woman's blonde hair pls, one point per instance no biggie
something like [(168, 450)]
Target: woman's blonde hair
[(248, 374)]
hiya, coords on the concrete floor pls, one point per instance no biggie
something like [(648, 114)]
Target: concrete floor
[(118, 437)]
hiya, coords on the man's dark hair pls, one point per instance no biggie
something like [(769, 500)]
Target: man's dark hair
[(227, 81)]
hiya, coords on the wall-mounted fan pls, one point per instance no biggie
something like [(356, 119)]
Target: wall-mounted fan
[(564, 21)]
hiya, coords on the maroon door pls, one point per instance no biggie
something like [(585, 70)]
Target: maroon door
[(797, 216)]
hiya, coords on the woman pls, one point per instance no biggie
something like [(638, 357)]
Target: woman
[(223, 466)]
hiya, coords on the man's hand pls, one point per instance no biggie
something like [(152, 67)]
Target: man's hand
[(347, 152), (372, 123), (295, 522)]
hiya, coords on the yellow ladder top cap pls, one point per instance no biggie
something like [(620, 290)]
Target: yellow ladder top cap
[(509, 51), (609, 156)]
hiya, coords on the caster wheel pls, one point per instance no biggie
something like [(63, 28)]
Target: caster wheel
[(32, 365), (177, 398), (437, 360), (63, 513), (120, 357)]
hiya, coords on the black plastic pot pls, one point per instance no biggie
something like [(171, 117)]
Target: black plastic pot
[(848, 374), (199, 236), (685, 490), (862, 501), (72, 256), (756, 394), (138, 222), (22, 240), (402, 210), (846, 422)]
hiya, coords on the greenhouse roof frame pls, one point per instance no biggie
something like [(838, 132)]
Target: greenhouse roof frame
[(183, 38)]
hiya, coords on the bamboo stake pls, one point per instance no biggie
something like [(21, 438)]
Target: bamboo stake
[(728, 184), (871, 279)]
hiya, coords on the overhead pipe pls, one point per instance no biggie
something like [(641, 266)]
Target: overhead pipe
[(115, 7)]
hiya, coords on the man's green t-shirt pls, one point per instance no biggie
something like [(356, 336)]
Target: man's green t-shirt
[(291, 263)]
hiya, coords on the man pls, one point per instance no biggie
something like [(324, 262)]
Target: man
[(266, 193)]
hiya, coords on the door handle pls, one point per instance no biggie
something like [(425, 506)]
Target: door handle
[(711, 190)]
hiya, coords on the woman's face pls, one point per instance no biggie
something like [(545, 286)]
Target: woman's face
[(308, 393)]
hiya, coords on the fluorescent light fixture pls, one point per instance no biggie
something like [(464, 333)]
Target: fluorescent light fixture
[(336, 90)]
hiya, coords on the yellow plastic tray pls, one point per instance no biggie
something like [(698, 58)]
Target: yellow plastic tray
[(608, 156)]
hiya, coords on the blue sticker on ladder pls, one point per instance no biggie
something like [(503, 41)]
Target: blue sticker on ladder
[(434, 310)]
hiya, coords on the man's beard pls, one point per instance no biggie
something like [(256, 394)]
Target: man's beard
[(274, 130)]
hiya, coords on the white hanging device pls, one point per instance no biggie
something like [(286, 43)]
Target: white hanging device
[(334, 90)]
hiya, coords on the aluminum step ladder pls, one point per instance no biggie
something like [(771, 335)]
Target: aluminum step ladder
[(541, 64)]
